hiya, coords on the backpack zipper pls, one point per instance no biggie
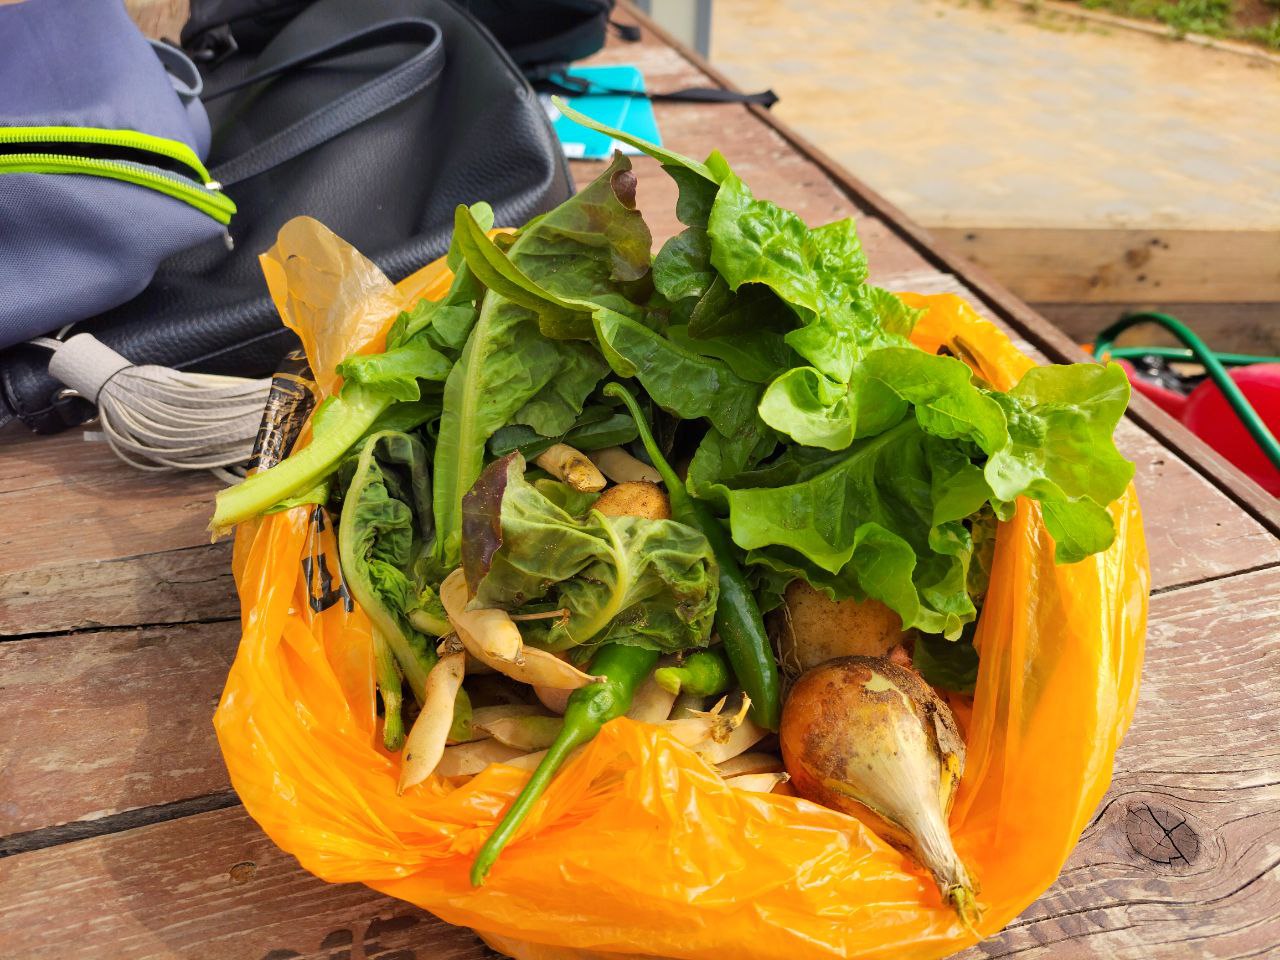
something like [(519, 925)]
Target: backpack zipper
[(198, 190)]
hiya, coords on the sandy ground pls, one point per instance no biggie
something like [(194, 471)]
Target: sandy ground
[(974, 114)]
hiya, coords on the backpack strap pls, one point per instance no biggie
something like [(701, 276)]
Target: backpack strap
[(552, 78), (394, 86)]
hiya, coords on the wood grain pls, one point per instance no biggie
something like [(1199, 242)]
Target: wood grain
[(208, 887), (95, 723), (88, 541), (1083, 265), (169, 586), (1228, 327), (1183, 850), (1183, 858)]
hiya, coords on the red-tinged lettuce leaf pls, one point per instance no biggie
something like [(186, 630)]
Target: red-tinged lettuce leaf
[(592, 249), (482, 517)]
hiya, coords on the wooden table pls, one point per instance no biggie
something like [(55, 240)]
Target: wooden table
[(122, 837)]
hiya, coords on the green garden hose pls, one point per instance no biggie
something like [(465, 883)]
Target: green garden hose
[(1213, 365), (1179, 355)]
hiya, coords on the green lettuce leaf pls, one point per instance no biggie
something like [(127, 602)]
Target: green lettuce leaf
[(651, 583), (596, 428), (682, 267), (396, 372), (1061, 451), (678, 380), (592, 249), (755, 355), (818, 273), (947, 664), (386, 516), (816, 411), (862, 517), (516, 366)]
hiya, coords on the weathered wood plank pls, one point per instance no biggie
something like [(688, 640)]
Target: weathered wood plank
[(208, 886), (88, 541), (1183, 858), (1074, 265), (170, 889), (95, 723), (1229, 327), (169, 586)]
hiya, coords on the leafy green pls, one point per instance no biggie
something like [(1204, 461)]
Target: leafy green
[(864, 516), (679, 380), (596, 428), (837, 451), (752, 308), (817, 411), (511, 370), (396, 372), (754, 355), (682, 267), (587, 251), (349, 416), (1060, 421), (947, 664), (386, 515), (651, 583), (819, 273)]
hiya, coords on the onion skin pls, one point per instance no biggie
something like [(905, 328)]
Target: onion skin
[(869, 738)]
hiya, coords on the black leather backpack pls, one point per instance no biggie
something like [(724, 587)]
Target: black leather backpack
[(375, 117)]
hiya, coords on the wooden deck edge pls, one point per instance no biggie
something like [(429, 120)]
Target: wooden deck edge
[(1234, 484), (1104, 263)]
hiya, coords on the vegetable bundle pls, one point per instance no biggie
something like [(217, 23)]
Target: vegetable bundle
[(821, 446)]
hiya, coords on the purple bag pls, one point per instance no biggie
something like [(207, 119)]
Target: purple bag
[(102, 142)]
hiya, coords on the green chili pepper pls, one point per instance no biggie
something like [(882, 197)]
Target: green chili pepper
[(738, 619), (623, 668), (702, 674)]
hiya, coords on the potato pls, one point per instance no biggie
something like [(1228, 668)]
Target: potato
[(815, 629), (637, 498)]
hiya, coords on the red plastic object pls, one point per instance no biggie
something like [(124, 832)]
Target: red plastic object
[(1170, 401), (1207, 414)]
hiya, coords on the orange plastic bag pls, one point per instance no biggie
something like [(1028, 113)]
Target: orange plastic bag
[(638, 847)]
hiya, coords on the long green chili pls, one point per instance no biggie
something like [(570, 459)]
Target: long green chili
[(623, 668), (738, 619)]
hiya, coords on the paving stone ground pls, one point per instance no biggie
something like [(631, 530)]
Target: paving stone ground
[(983, 114)]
